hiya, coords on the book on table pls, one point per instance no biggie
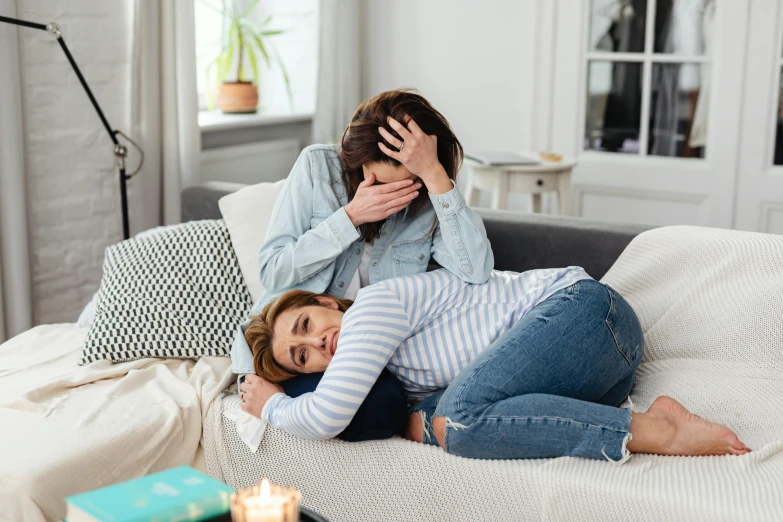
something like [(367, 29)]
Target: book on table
[(181, 493), (497, 158)]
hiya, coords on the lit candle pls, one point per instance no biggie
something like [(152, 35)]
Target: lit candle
[(265, 507), (266, 502)]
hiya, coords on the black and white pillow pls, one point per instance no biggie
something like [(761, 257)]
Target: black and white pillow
[(177, 294)]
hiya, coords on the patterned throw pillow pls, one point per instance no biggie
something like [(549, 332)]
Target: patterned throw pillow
[(177, 294)]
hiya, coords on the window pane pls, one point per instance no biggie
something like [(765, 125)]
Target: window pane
[(208, 39), (778, 159), (614, 101), (617, 25), (296, 47), (678, 110), (684, 26)]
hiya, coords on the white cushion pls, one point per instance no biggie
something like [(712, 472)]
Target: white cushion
[(247, 213)]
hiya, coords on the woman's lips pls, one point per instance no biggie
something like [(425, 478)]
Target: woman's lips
[(333, 343)]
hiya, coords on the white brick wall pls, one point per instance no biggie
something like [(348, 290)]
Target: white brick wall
[(72, 182)]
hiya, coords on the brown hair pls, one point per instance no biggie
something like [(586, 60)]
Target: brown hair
[(359, 144), (260, 333)]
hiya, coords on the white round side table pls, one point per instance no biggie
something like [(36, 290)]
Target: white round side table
[(533, 179)]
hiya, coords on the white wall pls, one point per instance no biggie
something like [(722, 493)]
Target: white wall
[(73, 187), (474, 61)]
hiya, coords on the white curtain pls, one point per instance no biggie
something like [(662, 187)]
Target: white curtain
[(339, 70), (16, 309), (164, 109)]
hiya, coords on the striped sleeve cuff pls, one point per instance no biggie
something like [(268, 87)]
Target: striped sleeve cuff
[(271, 404)]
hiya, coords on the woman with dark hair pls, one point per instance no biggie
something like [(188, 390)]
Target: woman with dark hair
[(380, 205)]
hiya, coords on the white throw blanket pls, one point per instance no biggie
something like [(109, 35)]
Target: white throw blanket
[(65, 429), (711, 306)]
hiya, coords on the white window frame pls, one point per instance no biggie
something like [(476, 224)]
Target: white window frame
[(759, 199), (703, 192), (647, 58)]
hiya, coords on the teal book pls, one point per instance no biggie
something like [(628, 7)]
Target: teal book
[(178, 494)]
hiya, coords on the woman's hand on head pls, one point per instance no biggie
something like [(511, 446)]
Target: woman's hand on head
[(418, 152), (373, 203), (254, 392)]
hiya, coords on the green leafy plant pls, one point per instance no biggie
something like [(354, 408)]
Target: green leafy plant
[(243, 39)]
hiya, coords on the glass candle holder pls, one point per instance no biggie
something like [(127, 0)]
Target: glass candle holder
[(266, 502)]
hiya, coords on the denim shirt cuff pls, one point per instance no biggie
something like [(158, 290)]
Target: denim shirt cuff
[(241, 354), (449, 203), (342, 228)]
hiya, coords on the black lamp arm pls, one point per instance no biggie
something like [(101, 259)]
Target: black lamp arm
[(54, 30), (120, 151), (24, 23)]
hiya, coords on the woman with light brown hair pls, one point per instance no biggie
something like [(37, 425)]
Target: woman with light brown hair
[(536, 364)]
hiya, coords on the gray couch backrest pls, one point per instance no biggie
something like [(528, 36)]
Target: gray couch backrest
[(526, 241), (519, 241)]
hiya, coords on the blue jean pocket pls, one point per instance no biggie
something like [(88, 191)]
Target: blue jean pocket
[(625, 327)]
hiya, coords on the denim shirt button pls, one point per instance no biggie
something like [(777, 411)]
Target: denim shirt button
[(375, 264), (445, 205), (357, 251), (341, 284), (421, 257)]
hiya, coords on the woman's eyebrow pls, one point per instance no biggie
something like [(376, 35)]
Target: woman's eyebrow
[(296, 323)]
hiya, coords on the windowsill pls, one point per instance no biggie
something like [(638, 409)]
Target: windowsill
[(210, 121)]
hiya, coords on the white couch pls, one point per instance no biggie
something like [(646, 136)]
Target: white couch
[(711, 305)]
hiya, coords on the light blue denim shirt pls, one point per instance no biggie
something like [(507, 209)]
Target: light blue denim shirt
[(312, 245)]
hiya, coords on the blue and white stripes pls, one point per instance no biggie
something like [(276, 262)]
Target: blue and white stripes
[(426, 328)]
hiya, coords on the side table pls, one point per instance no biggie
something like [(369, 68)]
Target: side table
[(533, 179)]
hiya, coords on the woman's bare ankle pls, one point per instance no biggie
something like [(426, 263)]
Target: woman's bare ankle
[(650, 433), (415, 429)]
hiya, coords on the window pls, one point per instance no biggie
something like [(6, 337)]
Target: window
[(296, 47), (648, 77)]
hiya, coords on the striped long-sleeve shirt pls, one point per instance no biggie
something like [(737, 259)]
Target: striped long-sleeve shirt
[(425, 328)]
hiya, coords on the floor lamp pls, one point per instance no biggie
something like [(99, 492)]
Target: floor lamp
[(120, 150)]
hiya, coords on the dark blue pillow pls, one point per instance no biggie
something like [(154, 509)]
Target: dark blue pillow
[(383, 413)]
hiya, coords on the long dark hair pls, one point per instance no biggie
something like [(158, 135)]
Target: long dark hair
[(359, 144)]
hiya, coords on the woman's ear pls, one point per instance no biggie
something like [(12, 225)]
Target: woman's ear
[(328, 302)]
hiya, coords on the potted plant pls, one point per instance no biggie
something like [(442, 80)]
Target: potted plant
[(244, 42)]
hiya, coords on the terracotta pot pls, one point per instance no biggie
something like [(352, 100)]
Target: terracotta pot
[(237, 97)]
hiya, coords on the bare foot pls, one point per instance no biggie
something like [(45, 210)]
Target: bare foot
[(667, 428)]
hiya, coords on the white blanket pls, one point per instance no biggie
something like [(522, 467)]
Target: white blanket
[(711, 306), (65, 429)]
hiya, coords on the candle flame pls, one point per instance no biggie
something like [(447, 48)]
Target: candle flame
[(265, 490)]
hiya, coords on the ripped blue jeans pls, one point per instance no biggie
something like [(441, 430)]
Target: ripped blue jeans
[(550, 386)]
